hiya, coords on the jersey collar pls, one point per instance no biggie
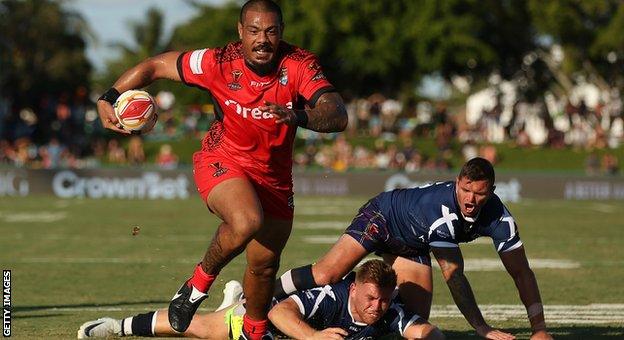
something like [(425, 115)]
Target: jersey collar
[(351, 315)]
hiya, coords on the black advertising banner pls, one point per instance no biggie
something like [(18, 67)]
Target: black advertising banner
[(178, 184)]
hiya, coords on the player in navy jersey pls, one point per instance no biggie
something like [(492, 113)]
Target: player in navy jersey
[(360, 306), (405, 225), (263, 89)]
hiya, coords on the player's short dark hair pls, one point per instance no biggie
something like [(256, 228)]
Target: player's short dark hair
[(377, 272), (261, 6), (478, 169)]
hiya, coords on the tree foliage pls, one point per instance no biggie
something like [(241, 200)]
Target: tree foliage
[(365, 46), (369, 46), (42, 51), (588, 31), (148, 41)]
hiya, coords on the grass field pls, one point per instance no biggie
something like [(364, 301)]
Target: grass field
[(76, 260)]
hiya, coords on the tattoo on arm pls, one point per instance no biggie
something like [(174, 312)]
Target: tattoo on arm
[(464, 299), (329, 114)]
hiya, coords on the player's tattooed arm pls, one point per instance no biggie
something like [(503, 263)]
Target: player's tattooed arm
[(328, 115), (452, 266), (517, 265), (163, 66)]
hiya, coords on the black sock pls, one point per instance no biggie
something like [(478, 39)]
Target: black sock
[(140, 324), (293, 280)]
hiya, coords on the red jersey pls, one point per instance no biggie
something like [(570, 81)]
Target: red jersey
[(250, 136)]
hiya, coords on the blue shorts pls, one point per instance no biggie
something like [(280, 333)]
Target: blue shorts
[(370, 229)]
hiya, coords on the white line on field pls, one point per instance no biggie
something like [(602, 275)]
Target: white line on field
[(320, 211), (602, 207), (321, 204), (336, 225), (496, 264), (330, 239), (321, 239), (29, 217), (486, 265), (560, 314), (121, 237), (96, 260), (469, 264)]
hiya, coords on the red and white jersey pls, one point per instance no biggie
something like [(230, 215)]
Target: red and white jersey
[(253, 137)]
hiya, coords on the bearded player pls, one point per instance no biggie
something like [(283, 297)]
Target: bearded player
[(263, 89)]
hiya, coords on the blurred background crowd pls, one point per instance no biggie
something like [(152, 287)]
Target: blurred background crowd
[(424, 98)]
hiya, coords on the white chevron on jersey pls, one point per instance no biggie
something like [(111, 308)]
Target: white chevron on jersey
[(195, 62), (325, 291), (445, 219)]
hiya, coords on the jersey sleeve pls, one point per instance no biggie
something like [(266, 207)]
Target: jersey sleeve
[(311, 80), (398, 319), (195, 67), (505, 233), (316, 302)]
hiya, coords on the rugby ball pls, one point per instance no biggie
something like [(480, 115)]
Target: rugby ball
[(136, 111)]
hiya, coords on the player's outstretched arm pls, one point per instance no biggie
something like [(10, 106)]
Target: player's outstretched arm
[(517, 266), (289, 320), (452, 266), (162, 66), (328, 115), (423, 330)]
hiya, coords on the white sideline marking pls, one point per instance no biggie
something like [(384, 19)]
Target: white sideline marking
[(485, 265), (469, 264), (559, 314), (29, 217), (330, 239), (116, 238), (488, 265), (603, 207), (337, 225), (322, 204), (321, 239), (323, 211), (96, 260)]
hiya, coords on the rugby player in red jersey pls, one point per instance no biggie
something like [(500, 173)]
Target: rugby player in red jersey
[(262, 88)]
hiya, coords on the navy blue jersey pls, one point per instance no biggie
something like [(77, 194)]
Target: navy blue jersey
[(328, 306), (430, 216)]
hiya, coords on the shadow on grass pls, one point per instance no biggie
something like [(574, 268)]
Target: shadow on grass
[(88, 305), (559, 332)]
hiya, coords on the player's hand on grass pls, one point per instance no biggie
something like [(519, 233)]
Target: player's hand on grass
[(329, 333), (541, 335), (494, 334), (108, 118), (282, 114)]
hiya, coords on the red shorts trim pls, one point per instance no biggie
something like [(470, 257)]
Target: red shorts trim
[(212, 167)]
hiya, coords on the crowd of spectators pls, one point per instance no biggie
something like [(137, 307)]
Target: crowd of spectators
[(65, 132)]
